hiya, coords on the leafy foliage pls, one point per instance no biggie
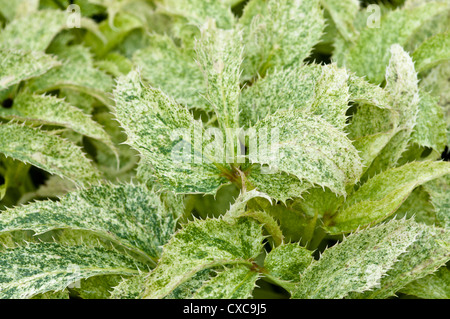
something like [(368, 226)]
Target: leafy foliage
[(219, 149)]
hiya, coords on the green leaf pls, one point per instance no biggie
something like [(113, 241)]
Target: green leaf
[(429, 251), (202, 245), (76, 73), (287, 262), (370, 54), (380, 196), (432, 52), (357, 263), (98, 287), (239, 206), (38, 268), (219, 56), (130, 288), (149, 118), (364, 92), (173, 70), (236, 282), (308, 148), (20, 65), (48, 152), (127, 215), (313, 89), (198, 11), (434, 286), (401, 83), (439, 190), (343, 13), (18, 8), (53, 111), (282, 35), (278, 185), (114, 34), (64, 294), (430, 128), (35, 31)]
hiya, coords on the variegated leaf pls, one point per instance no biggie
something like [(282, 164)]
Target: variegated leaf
[(53, 111), (48, 152), (287, 262), (173, 70), (76, 73), (312, 89), (219, 54), (343, 13), (154, 122), (35, 31), (370, 54), (359, 262), (308, 148), (201, 245), (12, 9), (20, 65), (283, 34), (278, 185), (38, 268), (401, 83), (430, 128), (130, 288), (434, 286), (380, 196), (130, 216), (429, 251), (235, 282), (439, 190), (198, 11), (432, 52)]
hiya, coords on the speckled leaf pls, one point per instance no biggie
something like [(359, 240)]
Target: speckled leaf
[(130, 288), (439, 190), (50, 110), (149, 117), (35, 31), (434, 286), (282, 35), (401, 83), (128, 215), (364, 92), (278, 185), (173, 70), (308, 148), (313, 89), (219, 56), (430, 128), (239, 206), (429, 251), (236, 282), (370, 54), (201, 245), (287, 262), (358, 263), (12, 9), (77, 73), (380, 196), (20, 65), (39, 268), (48, 152), (432, 52), (343, 13), (198, 11)]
